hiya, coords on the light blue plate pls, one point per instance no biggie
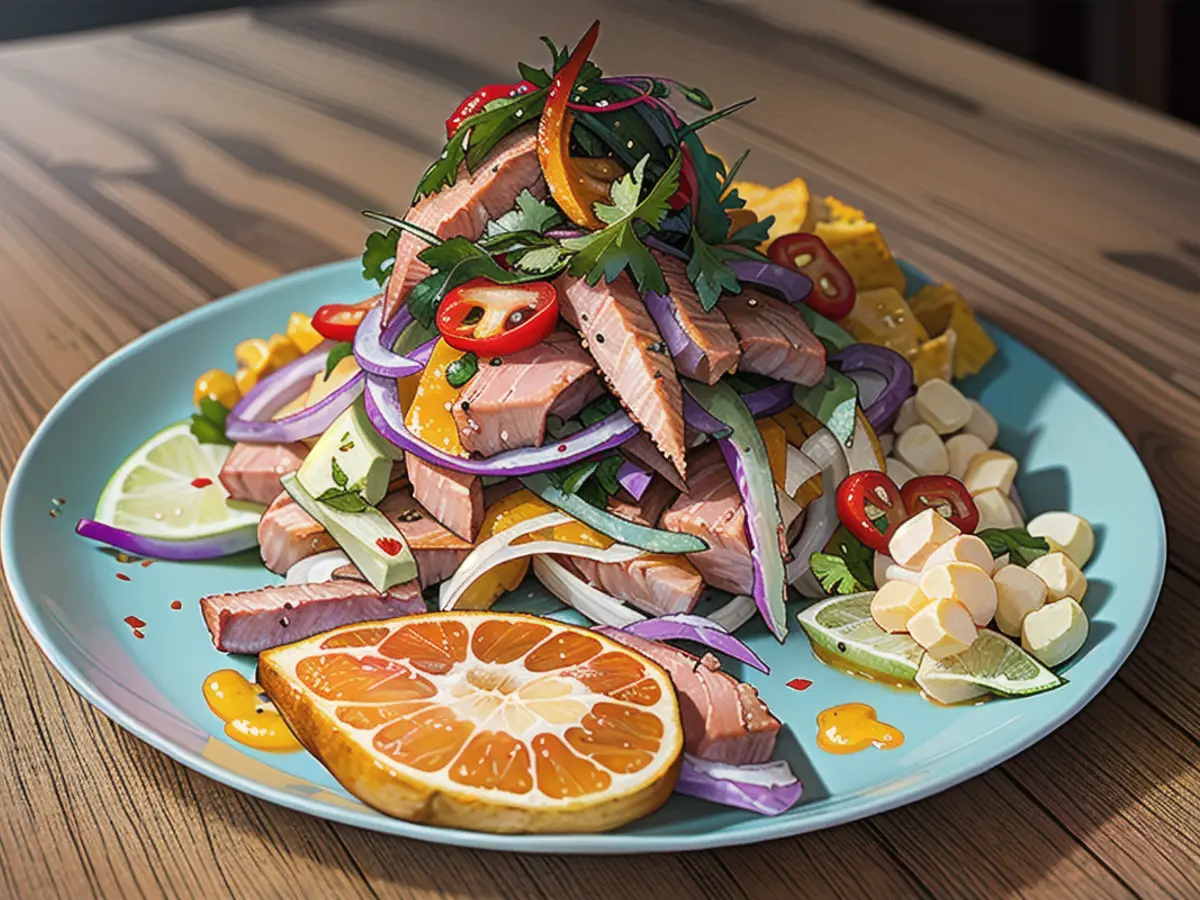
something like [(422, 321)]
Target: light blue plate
[(1072, 457)]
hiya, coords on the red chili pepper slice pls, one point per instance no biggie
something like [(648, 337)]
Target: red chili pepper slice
[(876, 489), (497, 319), (940, 492), (833, 289), (481, 98), (338, 321)]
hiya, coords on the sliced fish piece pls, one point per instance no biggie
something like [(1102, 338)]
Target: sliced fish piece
[(774, 339), (702, 343)]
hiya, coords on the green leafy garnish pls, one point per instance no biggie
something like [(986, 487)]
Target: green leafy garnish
[(835, 576), (828, 332), (208, 425), (529, 214), (848, 568), (617, 247), (336, 354), (379, 255), (477, 136), (1021, 546), (832, 402), (462, 370), (709, 272), (344, 497), (692, 127), (592, 480), (600, 408)]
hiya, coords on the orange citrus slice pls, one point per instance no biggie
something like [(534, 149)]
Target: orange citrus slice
[(481, 720)]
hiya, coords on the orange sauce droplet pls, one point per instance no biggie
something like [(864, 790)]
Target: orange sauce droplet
[(249, 718), (852, 727)]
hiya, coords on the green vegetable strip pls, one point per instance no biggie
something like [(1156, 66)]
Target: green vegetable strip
[(832, 403), (651, 539), (752, 472)]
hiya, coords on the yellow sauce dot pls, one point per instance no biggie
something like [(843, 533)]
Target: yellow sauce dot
[(248, 718)]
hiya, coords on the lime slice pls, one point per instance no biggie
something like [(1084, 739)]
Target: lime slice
[(993, 663), (168, 489), (844, 629)]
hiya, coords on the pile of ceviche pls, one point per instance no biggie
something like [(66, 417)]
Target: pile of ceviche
[(679, 401)]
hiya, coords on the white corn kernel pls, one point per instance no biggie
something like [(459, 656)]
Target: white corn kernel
[(992, 470), (907, 417), (943, 627), (963, 548), (922, 450), (968, 584), (1054, 633), (1066, 532), (995, 511), (1018, 593), (895, 603), (982, 424), (916, 539), (1062, 576), (941, 405), (962, 448), (898, 471), (886, 569)]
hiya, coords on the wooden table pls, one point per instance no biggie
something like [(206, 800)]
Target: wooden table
[(146, 171)]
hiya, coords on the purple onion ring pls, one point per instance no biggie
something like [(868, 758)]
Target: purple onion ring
[(684, 627), (895, 370), (383, 409), (158, 548), (372, 349)]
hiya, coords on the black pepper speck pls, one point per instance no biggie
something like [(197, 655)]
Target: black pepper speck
[(495, 361), (285, 621), (599, 338)]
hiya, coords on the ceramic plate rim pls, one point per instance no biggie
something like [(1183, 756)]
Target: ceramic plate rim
[(851, 809)]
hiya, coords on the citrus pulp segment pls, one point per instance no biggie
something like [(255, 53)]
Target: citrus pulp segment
[(995, 663), (485, 721), (843, 628), (169, 489)]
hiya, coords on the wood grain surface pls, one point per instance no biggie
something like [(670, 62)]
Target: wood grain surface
[(145, 171)]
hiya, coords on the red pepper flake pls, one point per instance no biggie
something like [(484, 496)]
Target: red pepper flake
[(54, 513), (201, 482), (562, 448), (121, 576), (134, 622), (799, 684), (390, 546), (137, 634), (60, 500), (175, 604), (147, 563)]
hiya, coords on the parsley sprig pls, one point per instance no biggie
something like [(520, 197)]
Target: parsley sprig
[(208, 425), (848, 569), (344, 497)]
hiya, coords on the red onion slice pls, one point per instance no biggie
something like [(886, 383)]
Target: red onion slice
[(157, 548), (895, 370), (383, 409), (372, 348), (310, 421), (768, 789), (281, 387), (684, 627), (634, 478), (791, 285)]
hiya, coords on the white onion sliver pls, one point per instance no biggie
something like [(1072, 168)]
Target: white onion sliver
[(601, 608), (775, 773), (734, 614), (821, 516), (316, 569), (499, 549)]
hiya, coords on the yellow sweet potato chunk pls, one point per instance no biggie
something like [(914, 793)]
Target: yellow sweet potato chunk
[(861, 249), (940, 307), (881, 316)]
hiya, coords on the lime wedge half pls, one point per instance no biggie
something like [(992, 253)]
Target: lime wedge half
[(844, 629), (168, 489), (993, 663)]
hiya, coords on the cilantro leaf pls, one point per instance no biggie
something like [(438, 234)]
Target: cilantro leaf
[(542, 260), (1022, 547), (833, 402), (608, 252), (425, 296), (712, 221), (336, 355), (208, 425), (343, 500), (456, 261), (591, 480), (835, 576), (462, 370), (538, 77), (476, 137), (528, 214), (709, 271), (340, 478), (379, 255), (606, 473), (600, 408)]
